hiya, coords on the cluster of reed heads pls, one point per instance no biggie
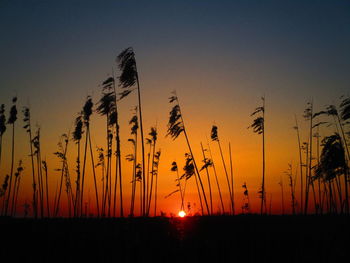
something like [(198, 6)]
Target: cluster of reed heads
[(322, 172)]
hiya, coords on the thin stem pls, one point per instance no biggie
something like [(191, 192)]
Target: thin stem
[(83, 173), (208, 178), (64, 163), (152, 176), (194, 162), (310, 162), (47, 193), (231, 172), (263, 162), (142, 144), (12, 163), (216, 180), (301, 165), (226, 174), (94, 174)]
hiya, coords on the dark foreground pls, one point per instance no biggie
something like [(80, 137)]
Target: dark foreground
[(192, 239)]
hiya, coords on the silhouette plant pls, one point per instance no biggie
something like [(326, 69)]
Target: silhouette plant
[(280, 183), (12, 119), (138, 178), (231, 173), (176, 126), (216, 180), (114, 120), (332, 164), (77, 135), (150, 143), (68, 190), (153, 134), (207, 163), (86, 114), (37, 153), (47, 188), (3, 190), (133, 157), (214, 137), (296, 127), (16, 188), (258, 127), (174, 168), (246, 204), (155, 173), (2, 126), (106, 107), (101, 162), (2, 131), (128, 78), (291, 185), (61, 154), (340, 119), (309, 116), (320, 201), (28, 128)]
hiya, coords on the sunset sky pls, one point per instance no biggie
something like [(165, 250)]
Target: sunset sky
[(220, 57)]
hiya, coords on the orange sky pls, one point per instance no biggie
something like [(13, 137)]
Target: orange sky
[(281, 149)]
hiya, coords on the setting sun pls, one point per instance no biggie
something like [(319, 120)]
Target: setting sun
[(182, 213)]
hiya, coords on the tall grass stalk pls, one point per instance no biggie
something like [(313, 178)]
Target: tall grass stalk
[(12, 119), (176, 126)]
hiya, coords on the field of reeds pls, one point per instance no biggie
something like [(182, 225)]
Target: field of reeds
[(322, 174)]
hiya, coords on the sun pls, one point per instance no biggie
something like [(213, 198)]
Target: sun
[(182, 213)]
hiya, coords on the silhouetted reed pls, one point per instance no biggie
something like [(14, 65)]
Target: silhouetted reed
[(332, 165), (101, 162), (37, 153), (3, 191), (309, 116), (296, 127), (289, 174), (216, 180), (77, 136), (214, 136), (2, 126), (61, 154), (174, 168), (176, 126), (128, 78), (47, 188), (280, 183), (153, 136), (258, 127), (155, 173), (133, 158), (16, 188), (109, 86), (28, 128), (207, 163), (340, 120), (107, 107), (246, 204), (12, 119)]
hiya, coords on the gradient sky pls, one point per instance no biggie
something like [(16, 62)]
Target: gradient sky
[(220, 56)]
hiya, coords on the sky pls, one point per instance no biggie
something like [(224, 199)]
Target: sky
[(220, 56)]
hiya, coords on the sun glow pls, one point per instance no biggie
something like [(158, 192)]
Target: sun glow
[(182, 213)]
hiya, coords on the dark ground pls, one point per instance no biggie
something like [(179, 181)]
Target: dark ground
[(192, 239)]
